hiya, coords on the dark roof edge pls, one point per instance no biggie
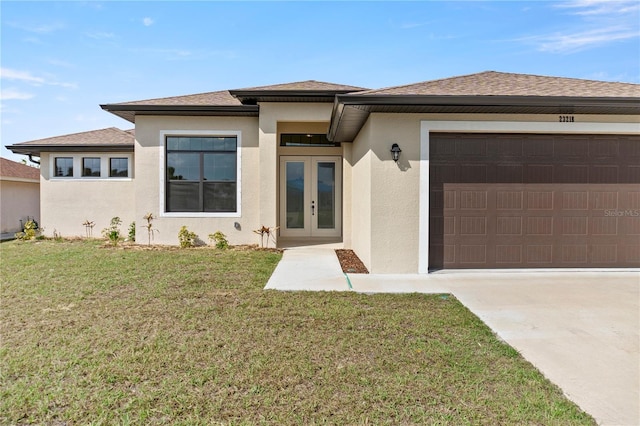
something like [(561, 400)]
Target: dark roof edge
[(475, 100), (242, 93), (181, 108), (37, 149)]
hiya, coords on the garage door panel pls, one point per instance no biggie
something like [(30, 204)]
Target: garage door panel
[(581, 211)]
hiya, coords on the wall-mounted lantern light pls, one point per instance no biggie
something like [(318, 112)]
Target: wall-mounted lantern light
[(395, 152)]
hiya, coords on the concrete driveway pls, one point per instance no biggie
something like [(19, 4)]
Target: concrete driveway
[(580, 329)]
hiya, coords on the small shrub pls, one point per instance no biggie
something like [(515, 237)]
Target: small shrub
[(266, 231), (88, 227), (112, 233), (29, 232), (57, 237), (132, 231), (220, 240), (186, 238), (150, 231)]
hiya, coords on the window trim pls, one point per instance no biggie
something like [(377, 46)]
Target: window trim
[(77, 159), (162, 154)]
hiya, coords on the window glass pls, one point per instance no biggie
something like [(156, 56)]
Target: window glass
[(201, 174), (305, 139), (118, 167), (183, 166), (91, 166), (64, 166), (220, 167)]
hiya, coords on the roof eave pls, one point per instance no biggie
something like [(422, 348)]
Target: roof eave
[(287, 95), (37, 149), (360, 106), (129, 112)]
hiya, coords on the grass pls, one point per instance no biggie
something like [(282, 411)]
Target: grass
[(100, 335)]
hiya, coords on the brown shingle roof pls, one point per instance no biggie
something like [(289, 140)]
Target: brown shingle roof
[(109, 136), (308, 85), (492, 83), (222, 98), (11, 169)]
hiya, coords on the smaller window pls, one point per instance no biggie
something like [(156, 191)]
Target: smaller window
[(305, 139), (64, 167), (118, 167), (91, 166)]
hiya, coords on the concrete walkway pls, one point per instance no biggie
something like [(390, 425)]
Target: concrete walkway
[(581, 329)]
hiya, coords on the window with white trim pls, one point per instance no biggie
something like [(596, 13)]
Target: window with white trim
[(201, 174)]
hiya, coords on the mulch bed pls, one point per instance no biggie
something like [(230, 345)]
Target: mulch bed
[(351, 264)]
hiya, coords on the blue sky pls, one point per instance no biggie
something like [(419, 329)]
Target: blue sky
[(60, 60)]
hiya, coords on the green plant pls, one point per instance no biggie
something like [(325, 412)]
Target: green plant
[(88, 227), (266, 231), (29, 232), (112, 233), (132, 231), (220, 240), (150, 231), (187, 238), (57, 236)]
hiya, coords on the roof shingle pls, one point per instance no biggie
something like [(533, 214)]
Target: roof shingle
[(307, 85), (109, 136), (11, 169), (492, 83)]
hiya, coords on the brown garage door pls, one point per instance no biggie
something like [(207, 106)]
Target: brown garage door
[(534, 201)]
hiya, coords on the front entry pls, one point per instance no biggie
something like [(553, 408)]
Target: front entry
[(310, 196)]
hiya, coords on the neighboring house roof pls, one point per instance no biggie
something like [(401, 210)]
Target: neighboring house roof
[(485, 92), (109, 139), (10, 170), (240, 102)]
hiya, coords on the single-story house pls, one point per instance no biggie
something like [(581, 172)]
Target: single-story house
[(19, 195), (488, 170)]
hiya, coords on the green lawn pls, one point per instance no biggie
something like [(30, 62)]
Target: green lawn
[(100, 335)]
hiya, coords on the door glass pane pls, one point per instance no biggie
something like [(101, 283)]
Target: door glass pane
[(326, 195), (295, 194)]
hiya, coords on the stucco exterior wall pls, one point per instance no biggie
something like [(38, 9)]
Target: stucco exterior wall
[(67, 202), (271, 115), (386, 211), (18, 200), (360, 197), (149, 182)]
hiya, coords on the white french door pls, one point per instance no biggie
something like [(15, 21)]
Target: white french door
[(310, 196)]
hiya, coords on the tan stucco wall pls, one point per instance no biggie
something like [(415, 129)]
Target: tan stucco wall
[(18, 200), (67, 202), (278, 117), (150, 171), (385, 210), (359, 159)]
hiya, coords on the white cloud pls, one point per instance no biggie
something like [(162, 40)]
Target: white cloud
[(101, 35), (147, 22), (38, 28), (599, 22), (27, 77), (574, 42), (14, 94), (9, 74)]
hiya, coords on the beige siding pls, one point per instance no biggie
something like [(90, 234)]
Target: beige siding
[(150, 174), (18, 200), (385, 199), (360, 162), (68, 202)]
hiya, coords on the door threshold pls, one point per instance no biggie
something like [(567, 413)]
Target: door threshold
[(315, 242)]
